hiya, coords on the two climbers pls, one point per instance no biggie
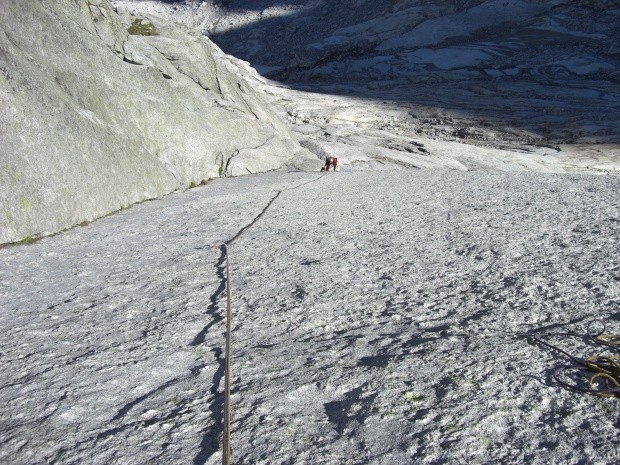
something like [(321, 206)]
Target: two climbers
[(330, 161)]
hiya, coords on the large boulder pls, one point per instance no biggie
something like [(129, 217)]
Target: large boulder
[(95, 119)]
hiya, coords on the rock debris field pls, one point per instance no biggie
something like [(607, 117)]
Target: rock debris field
[(379, 318)]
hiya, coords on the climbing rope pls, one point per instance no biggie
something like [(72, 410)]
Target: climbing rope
[(598, 375), (226, 442)]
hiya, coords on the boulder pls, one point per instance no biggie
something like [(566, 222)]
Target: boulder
[(96, 119)]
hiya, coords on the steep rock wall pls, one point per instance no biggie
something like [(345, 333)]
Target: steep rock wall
[(96, 119)]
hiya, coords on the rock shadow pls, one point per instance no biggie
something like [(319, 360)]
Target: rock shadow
[(353, 409), (210, 441), (511, 91)]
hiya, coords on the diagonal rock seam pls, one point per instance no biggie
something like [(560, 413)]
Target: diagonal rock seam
[(209, 443)]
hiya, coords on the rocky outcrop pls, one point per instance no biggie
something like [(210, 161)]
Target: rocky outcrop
[(96, 119)]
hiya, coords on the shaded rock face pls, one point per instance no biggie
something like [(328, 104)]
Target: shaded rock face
[(324, 40), (96, 119), (547, 69)]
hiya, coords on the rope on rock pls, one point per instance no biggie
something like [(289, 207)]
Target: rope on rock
[(226, 439), (598, 375), (226, 442)]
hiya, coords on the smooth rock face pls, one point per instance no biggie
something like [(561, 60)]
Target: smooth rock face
[(96, 119), (384, 326)]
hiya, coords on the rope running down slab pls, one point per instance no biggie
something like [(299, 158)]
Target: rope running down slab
[(226, 439), (226, 447)]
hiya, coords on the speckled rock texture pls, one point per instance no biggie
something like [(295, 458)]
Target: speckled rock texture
[(389, 327)]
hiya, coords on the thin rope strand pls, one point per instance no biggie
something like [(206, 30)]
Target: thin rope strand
[(226, 442)]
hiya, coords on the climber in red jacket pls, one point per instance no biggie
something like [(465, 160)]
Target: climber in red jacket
[(330, 161)]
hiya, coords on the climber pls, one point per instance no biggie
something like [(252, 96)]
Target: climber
[(330, 161)]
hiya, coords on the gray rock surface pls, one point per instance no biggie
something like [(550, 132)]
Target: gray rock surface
[(380, 317), (384, 327), (529, 70), (468, 85), (96, 119)]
